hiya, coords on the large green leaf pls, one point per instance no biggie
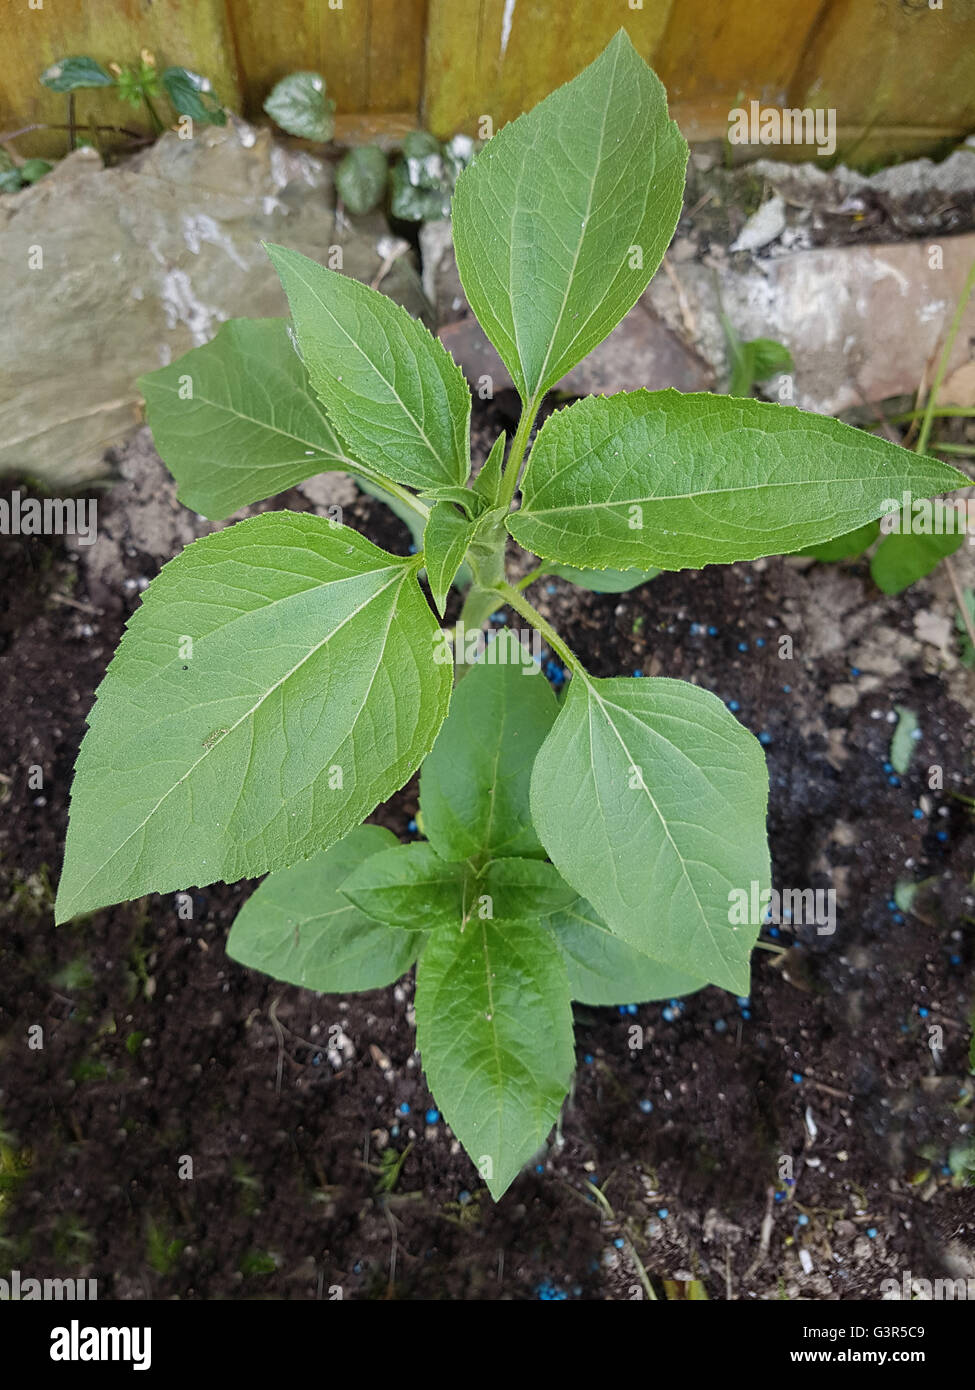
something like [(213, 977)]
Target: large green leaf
[(308, 698), (410, 886), (446, 540), (566, 213), (237, 421), (658, 478), (603, 969), (650, 799), (494, 1029), (474, 785), (297, 927), (391, 389)]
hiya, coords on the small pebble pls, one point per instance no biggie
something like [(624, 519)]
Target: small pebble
[(764, 739), (432, 1116), (663, 1213), (646, 1106), (802, 1219), (743, 646), (720, 1026), (918, 813), (734, 706), (404, 1108), (797, 1078), (894, 781)]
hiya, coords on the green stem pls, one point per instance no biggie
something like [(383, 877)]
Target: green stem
[(521, 605), (952, 448), (529, 578), (906, 416), (519, 444), (157, 124), (927, 421), (387, 485)]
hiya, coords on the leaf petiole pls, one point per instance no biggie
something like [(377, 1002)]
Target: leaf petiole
[(521, 605)]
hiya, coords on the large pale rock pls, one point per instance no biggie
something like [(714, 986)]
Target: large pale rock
[(862, 322), (139, 263)]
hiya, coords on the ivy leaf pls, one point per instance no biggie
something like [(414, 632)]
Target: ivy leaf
[(361, 178), (474, 785), (71, 74), (297, 927), (494, 1029), (566, 213), (902, 558), (268, 694), (411, 887), (680, 481), (391, 389), (193, 96), (606, 581), (298, 104), (237, 421), (446, 540), (603, 969), (650, 799)]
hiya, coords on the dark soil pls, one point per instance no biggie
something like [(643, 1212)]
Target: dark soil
[(157, 1048)]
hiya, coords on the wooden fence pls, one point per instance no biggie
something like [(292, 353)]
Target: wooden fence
[(900, 74)]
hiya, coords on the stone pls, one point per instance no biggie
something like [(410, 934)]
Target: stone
[(139, 263)]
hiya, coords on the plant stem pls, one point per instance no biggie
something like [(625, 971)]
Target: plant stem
[(519, 444), (952, 448), (521, 605), (157, 124), (402, 493), (928, 418), (530, 578), (906, 416), (963, 608)]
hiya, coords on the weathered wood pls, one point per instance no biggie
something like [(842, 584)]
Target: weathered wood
[(901, 76)]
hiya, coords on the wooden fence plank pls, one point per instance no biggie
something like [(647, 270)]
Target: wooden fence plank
[(369, 51), (497, 58)]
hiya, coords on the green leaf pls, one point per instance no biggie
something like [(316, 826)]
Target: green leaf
[(606, 581), (474, 785), (903, 743), (306, 701), (299, 105), (603, 969), (494, 1029), (566, 213), (236, 421), (33, 169), (446, 540), (361, 178), (847, 546), (462, 497), (297, 927), (411, 887), (650, 799), (193, 96), (487, 484), (391, 389), (679, 481), (70, 74), (902, 558), (767, 358), (521, 888)]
